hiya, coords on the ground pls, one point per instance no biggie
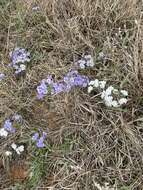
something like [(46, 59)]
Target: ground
[(88, 144)]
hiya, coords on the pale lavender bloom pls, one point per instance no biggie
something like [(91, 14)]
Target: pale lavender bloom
[(17, 118), (2, 76), (19, 70), (81, 81), (19, 55), (70, 80), (49, 80), (8, 126), (40, 143), (42, 90), (35, 137), (73, 78), (58, 88), (44, 135)]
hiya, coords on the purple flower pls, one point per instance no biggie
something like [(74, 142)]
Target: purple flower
[(2, 76), (58, 88), (19, 55), (35, 137), (17, 118), (39, 141), (42, 90), (74, 79), (49, 80), (70, 80), (81, 81), (8, 126)]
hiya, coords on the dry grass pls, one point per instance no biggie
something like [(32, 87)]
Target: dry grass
[(88, 143)]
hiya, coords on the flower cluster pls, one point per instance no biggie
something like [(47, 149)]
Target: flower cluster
[(17, 118), (7, 128), (2, 76), (102, 57), (96, 84), (18, 149), (8, 125), (39, 139), (19, 57), (86, 61), (111, 96), (70, 80)]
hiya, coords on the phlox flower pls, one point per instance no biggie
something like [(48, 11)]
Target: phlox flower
[(8, 126), (85, 61), (70, 80), (123, 101), (18, 149), (17, 118), (124, 92), (42, 90), (39, 140), (2, 76), (3, 132), (102, 84), (8, 153), (19, 56), (90, 88)]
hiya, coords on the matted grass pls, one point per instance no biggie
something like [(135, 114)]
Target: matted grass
[(88, 144)]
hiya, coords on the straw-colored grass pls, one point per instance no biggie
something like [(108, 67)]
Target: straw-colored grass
[(88, 144)]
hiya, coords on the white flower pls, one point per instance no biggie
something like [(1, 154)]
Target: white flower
[(103, 94), (123, 101), (82, 65), (88, 57), (109, 90), (90, 88), (96, 83), (102, 84), (8, 153), (17, 117), (108, 100), (14, 146), (17, 149), (115, 104), (20, 149), (23, 67), (101, 55), (89, 61), (2, 76), (3, 132), (91, 83), (124, 92)]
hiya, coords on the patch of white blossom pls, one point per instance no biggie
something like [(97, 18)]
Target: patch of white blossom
[(3, 132), (18, 149), (85, 61), (111, 96)]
